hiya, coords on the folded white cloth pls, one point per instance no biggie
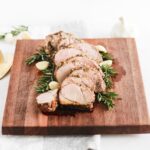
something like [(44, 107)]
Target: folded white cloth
[(91, 142), (73, 142)]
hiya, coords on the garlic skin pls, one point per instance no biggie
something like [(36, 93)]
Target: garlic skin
[(42, 65), (101, 48), (106, 62), (122, 28), (53, 85)]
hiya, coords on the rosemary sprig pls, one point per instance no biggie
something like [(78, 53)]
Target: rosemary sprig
[(32, 59), (41, 55), (48, 74), (16, 30), (2, 36), (45, 79), (106, 55), (42, 88), (109, 72), (50, 69), (107, 98), (43, 82)]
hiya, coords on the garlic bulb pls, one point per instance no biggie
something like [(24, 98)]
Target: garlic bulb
[(122, 29)]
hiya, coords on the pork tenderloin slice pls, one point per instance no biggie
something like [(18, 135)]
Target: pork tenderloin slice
[(48, 101), (79, 81), (80, 92), (65, 42), (75, 63), (60, 40), (89, 50), (65, 54), (74, 105), (93, 74), (73, 92), (77, 95)]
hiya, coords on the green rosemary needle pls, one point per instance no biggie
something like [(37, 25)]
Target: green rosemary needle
[(107, 98), (106, 55), (109, 72)]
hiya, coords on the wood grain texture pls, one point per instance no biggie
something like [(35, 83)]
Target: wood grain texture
[(22, 117)]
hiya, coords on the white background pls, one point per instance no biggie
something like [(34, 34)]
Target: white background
[(96, 18)]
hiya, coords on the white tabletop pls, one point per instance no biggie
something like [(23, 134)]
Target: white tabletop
[(87, 18)]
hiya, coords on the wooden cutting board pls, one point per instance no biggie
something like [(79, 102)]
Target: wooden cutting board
[(22, 117)]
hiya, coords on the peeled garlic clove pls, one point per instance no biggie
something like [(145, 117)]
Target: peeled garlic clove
[(53, 85), (101, 48), (106, 62), (47, 51), (24, 35), (42, 65), (1, 57)]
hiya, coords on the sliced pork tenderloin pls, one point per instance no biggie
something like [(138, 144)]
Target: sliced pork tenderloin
[(48, 101), (66, 103), (60, 40), (95, 75), (72, 64), (79, 81), (90, 51), (75, 95), (65, 54), (68, 53)]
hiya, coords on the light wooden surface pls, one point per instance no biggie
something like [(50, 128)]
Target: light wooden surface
[(130, 115)]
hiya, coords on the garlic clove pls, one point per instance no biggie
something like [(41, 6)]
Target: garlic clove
[(101, 48), (47, 51), (42, 65), (53, 85), (24, 35), (106, 62)]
